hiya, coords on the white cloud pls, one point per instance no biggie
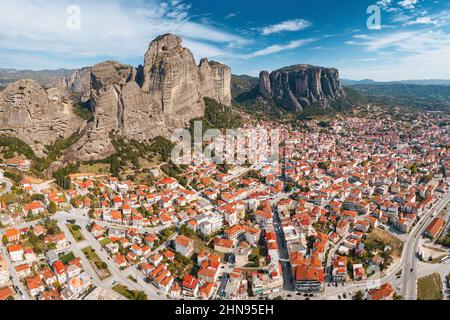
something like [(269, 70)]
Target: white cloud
[(115, 29), (385, 4), (407, 55), (408, 41), (280, 48), (408, 4), (288, 25), (232, 15), (422, 20)]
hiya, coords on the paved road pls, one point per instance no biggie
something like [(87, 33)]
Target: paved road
[(407, 261), (330, 256), (409, 278), (13, 274), (283, 252)]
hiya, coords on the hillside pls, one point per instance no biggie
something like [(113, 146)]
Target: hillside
[(423, 97), (43, 77)]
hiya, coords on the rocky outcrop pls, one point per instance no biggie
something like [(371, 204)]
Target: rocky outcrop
[(151, 100), (221, 75), (78, 82), (38, 117), (265, 88), (135, 103), (299, 87), (120, 107)]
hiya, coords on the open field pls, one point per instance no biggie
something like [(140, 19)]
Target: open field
[(97, 168), (129, 294), (383, 237), (429, 287), (99, 266), (76, 232)]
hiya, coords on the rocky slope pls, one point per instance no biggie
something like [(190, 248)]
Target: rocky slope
[(38, 117), (299, 87)]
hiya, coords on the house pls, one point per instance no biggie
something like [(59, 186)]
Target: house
[(223, 245), (169, 183), (60, 271), (435, 228), (206, 291), (35, 286), (309, 275), (12, 235), (190, 286), (16, 252), (120, 260), (184, 245), (156, 259), (359, 273), (339, 269), (385, 292), (74, 270), (6, 293), (264, 218), (342, 228), (38, 230), (362, 225), (50, 295), (35, 208), (4, 271), (23, 271)]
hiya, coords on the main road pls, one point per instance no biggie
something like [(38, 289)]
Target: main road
[(407, 261), (409, 274)]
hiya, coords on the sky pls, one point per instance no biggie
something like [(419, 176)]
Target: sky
[(412, 40)]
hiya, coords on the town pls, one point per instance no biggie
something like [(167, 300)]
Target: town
[(356, 208)]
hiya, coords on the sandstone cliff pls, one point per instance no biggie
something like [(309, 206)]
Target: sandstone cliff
[(299, 87), (38, 117)]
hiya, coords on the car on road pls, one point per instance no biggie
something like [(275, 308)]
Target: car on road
[(345, 296), (412, 269), (339, 297)]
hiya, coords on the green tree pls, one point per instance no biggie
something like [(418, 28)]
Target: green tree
[(359, 295), (52, 208)]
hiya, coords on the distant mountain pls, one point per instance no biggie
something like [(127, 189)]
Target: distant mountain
[(439, 82), (424, 97), (43, 77), (347, 82)]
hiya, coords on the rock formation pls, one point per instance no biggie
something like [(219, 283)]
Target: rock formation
[(36, 116), (149, 101), (298, 87)]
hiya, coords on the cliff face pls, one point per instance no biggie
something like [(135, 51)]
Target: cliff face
[(38, 117), (151, 100), (136, 103), (297, 88)]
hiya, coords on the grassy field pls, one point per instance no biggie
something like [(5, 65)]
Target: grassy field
[(99, 266), (429, 287), (76, 232), (378, 236), (129, 294), (90, 253), (98, 168)]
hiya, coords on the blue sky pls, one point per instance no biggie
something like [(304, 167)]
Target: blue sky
[(413, 41)]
